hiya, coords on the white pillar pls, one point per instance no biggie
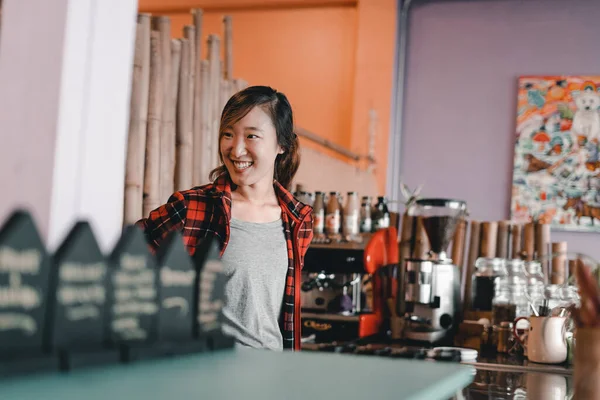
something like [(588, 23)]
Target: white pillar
[(65, 73)]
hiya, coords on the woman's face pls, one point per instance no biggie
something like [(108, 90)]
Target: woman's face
[(249, 148)]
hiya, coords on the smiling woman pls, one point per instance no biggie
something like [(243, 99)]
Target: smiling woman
[(263, 230), (257, 127)]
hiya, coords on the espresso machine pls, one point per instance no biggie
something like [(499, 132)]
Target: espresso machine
[(431, 286), (341, 291)]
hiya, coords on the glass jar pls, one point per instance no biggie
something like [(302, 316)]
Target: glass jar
[(536, 296), (511, 297), (488, 270), (552, 293), (516, 269), (533, 273), (568, 296)]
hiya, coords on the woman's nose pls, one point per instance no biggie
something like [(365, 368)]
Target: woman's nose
[(239, 147)]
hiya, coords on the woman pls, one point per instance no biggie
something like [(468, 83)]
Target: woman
[(263, 230)]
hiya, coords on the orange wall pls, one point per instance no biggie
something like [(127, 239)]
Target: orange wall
[(332, 58)]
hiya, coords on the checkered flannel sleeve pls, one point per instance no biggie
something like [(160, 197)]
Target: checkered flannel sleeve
[(164, 220), (306, 235)]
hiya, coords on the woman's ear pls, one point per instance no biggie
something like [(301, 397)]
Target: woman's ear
[(280, 150)]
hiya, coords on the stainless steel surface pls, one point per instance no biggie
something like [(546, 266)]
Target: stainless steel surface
[(432, 290), (420, 289), (327, 288), (331, 317), (356, 293)]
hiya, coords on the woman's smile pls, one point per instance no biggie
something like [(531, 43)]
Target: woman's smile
[(242, 165)]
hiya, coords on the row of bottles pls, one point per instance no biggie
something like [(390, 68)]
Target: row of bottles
[(339, 218)]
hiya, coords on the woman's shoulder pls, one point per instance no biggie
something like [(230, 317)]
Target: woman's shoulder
[(209, 192)]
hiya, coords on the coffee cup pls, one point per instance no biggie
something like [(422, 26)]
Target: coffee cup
[(546, 339)]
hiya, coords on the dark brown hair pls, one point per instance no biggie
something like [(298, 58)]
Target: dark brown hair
[(279, 109)]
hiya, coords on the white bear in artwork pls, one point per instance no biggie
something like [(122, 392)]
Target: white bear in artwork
[(586, 121)]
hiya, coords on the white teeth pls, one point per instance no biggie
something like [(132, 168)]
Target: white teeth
[(242, 165)]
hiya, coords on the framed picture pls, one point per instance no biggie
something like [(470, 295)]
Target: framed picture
[(556, 172)]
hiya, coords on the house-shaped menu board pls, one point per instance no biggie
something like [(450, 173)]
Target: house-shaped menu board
[(177, 277), (79, 307), (24, 270), (211, 287), (133, 293)]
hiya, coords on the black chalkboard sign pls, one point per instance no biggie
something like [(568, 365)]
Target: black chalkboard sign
[(133, 294), (24, 273), (210, 282), (177, 278), (78, 301)]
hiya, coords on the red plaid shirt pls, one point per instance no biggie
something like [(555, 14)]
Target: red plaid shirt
[(206, 210)]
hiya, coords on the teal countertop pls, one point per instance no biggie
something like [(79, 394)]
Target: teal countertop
[(248, 374)]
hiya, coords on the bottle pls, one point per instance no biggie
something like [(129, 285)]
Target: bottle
[(333, 215), (381, 214), (319, 214), (366, 224), (351, 217)]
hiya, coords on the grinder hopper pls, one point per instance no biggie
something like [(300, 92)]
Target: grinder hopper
[(439, 217)]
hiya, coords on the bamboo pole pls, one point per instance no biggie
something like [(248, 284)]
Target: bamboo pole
[(489, 234), (214, 52), (502, 239), (155, 102), (228, 43), (203, 153), (239, 85), (529, 241), (136, 140), (559, 263), (189, 33), (542, 244), (162, 24), (174, 100), (225, 93), (458, 244), (474, 242), (406, 236), (517, 231), (199, 162), (184, 139)]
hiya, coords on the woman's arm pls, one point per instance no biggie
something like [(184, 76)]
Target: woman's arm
[(165, 219)]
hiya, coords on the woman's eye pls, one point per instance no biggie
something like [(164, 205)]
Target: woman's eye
[(227, 134), (252, 136)]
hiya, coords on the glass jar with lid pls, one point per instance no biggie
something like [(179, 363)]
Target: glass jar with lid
[(568, 295), (488, 270), (533, 273), (552, 293), (511, 300), (535, 284)]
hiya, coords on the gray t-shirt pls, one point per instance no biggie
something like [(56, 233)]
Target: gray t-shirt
[(255, 263)]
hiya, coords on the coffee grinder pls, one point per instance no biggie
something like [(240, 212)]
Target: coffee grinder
[(432, 286)]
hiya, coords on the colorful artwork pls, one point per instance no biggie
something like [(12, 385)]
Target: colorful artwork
[(556, 174)]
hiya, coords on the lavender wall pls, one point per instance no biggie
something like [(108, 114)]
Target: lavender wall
[(464, 60)]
